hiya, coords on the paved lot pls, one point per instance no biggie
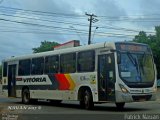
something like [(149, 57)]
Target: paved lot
[(69, 110), (0, 88)]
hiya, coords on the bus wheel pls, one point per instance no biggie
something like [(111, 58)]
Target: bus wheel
[(120, 106), (25, 96), (33, 101), (82, 104), (88, 100)]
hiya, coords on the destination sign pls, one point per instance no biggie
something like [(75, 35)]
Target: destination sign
[(132, 47)]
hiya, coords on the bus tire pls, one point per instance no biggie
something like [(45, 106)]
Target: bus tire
[(25, 96), (87, 101), (82, 105), (120, 105), (33, 101)]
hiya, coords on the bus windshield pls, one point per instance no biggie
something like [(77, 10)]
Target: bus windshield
[(136, 67), (135, 64)]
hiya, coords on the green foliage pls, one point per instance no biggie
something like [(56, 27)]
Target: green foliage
[(141, 37), (154, 42), (45, 46)]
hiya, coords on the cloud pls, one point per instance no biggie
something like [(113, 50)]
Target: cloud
[(151, 11), (43, 5), (22, 43), (108, 8), (149, 7), (143, 14), (14, 44)]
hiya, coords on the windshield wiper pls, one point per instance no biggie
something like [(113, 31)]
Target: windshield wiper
[(131, 58), (134, 61), (142, 62), (144, 57)]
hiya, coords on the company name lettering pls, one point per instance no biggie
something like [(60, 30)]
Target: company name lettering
[(41, 79)]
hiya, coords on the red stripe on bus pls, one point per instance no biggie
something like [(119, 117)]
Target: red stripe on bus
[(63, 82), (18, 79)]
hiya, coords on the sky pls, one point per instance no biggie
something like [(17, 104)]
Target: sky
[(24, 24)]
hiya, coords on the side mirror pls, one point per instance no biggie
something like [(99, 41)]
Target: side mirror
[(155, 69), (118, 55)]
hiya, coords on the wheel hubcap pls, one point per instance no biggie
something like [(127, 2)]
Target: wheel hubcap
[(86, 99)]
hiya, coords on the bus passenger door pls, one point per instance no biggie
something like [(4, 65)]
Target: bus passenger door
[(12, 81), (106, 77)]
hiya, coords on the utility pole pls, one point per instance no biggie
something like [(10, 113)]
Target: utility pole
[(91, 20)]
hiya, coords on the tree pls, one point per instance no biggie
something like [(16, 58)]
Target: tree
[(154, 42), (45, 46), (141, 37)]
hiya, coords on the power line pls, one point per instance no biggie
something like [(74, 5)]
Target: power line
[(107, 18), (39, 32), (35, 24), (34, 30), (107, 27), (124, 29), (85, 25), (111, 33), (42, 12), (76, 15), (49, 32), (134, 19), (120, 28), (39, 25), (45, 20), (80, 31), (76, 32), (53, 27), (132, 16)]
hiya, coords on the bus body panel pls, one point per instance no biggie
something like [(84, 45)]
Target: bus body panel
[(66, 86), (43, 89)]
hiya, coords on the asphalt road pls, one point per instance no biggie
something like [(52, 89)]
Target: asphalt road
[(13, 109)]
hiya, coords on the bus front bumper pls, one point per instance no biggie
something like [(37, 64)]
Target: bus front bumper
[(127, 97)]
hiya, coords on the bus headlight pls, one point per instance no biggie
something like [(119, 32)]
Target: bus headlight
[(124, 90), (155, 89)]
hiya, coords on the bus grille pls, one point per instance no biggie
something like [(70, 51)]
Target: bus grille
[(141, 97)]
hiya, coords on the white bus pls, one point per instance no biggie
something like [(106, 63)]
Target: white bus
[(118, 72)]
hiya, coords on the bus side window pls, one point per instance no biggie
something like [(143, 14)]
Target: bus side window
[(37, 67), (68, 63), (52, 64), (5, 69), (86, 61), (24, 67)]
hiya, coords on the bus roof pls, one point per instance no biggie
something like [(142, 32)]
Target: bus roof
[(62, 51), (109, 45)]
